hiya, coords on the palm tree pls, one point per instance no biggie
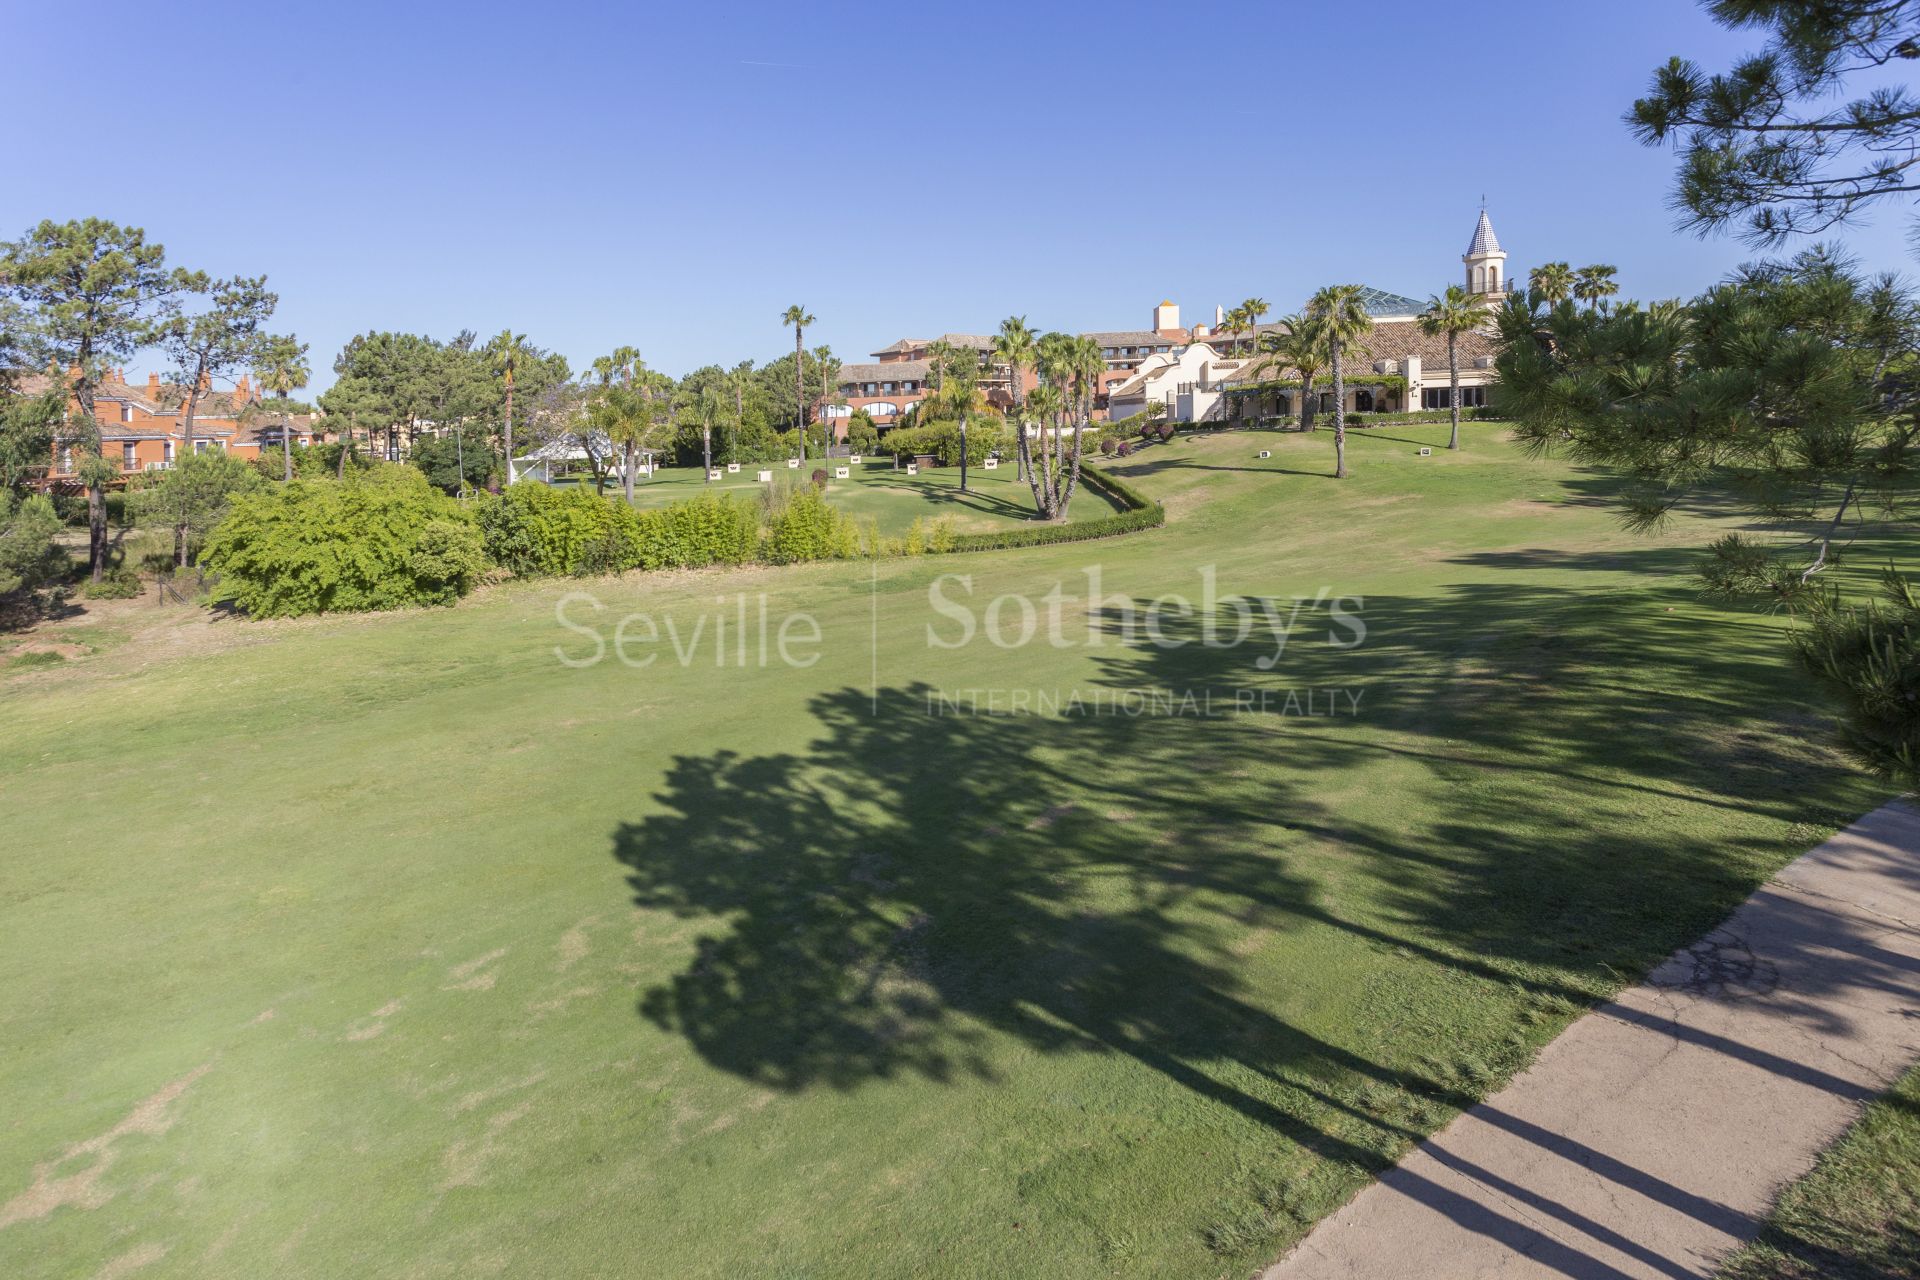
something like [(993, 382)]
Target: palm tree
[(1453, 313), (1013, 347), (940, 354), (1594, 284), (507, 352), (1294, 343), (709, 406), (797, 316), (620, 411), (283, 369), (1252, 310), (1342, 321), (1235, 323), (1554, 282)]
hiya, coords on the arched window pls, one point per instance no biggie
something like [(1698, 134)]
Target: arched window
[(881, 409)]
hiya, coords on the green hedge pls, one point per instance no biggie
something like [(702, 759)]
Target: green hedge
[(540, 531), (378, 540), (1141, 512)]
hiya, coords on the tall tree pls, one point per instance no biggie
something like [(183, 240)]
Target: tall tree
[(1253, 310), (1594, 284), (1294, 344), (1554, 282), (1013, 349), (1453, 313), (1777, 143), (94, 293), (282, 368), (508, 352), (217, 342), (796, 316), (620, 411), (829, 380), (1342, 320), (1061, 406)]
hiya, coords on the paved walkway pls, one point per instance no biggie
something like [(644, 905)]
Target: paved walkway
[(1650, 1139)]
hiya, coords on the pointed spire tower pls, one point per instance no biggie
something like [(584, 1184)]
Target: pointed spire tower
[(1486, 263)]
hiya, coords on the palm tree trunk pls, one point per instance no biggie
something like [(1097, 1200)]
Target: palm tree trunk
[(706, 454), (800, 391), (626, 473), (1453, 387), (286, 444), (509, 433), (1339, 416), (963, 451)]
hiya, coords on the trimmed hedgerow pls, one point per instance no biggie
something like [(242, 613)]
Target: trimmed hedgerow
[(1141, 512)]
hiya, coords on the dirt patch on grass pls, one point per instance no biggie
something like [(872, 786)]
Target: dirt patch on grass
[(82, 1189), (573, 945), (474, 974), (374, 1023), (131, 1261), (466, 1160)]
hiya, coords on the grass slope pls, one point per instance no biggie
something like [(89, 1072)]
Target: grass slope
[(995, 500), (395, 946)]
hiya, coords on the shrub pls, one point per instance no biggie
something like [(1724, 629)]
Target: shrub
[(116, 583), (377, 540), (1148, 431), (29, 557), (1124, 448), (808, 527), (819, 478), (539, 531), (706, 530), (1107, 446), (1166, 431), (941, 438)]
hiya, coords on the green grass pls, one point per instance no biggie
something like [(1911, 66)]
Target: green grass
[(395, 946), (995, 500), (1857, 1215)]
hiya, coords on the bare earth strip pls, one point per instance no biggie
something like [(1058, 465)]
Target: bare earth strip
[(1651, 1138)]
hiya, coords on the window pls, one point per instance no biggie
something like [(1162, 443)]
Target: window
[(126, 413), (1436, 397), (881, 409), (66, 461), (166, 452), (886, 388), (868, 388), (129, 456)]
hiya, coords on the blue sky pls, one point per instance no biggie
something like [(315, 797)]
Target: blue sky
[(674, 176)]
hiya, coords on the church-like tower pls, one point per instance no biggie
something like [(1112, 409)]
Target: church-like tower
[(1486, 263)]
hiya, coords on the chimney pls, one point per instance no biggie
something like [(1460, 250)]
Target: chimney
[(244, 392), (153, 387), (1219, 316), (1166, 316)]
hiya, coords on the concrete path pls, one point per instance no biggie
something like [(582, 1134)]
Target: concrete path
[(1651, 1138)]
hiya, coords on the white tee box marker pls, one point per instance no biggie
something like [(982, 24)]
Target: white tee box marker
[(766, 477), (732, 467), (1264, 453), (842, 473), (913, 468), (714, 474), (1426, 453), (991, 463), (793, 464), (855, 459)]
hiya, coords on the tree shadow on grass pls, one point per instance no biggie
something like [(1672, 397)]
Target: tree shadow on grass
[(925, 883)]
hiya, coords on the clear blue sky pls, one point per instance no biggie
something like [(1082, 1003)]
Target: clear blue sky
[(672, 176)]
